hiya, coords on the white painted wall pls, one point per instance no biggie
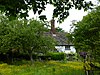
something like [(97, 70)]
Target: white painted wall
[(62, 49), (73, 49)]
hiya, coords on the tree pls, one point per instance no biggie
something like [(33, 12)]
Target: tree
[(13, 8), (4, 30), (86, 35), (24, 36)]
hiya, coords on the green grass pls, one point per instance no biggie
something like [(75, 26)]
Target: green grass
[(43, 68)]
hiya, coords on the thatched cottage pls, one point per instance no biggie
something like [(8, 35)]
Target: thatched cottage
[(63, 44)]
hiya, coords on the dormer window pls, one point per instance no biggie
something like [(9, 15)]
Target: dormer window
[(67, 47), (53, 34)]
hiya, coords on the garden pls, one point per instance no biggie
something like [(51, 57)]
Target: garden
[(27, 49), (42, 68)]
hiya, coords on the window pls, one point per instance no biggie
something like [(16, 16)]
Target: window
[(67, 47)]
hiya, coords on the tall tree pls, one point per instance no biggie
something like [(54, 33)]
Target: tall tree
[(86, 35), (12, 8)]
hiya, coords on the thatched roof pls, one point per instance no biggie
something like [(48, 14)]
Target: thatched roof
[(60, 37)]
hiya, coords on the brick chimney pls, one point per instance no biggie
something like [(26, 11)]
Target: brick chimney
[(53, 30)]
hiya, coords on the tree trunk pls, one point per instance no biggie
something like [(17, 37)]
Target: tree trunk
[(12, 59), (31, 58)]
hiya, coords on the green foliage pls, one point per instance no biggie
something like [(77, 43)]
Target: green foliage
[(57, 56), (58, 29), (24, 36), (72, 57), (86, 35), (13, 8)]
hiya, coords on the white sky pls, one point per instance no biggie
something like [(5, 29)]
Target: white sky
[(74, 15)]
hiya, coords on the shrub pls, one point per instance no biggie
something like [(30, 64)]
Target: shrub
[(72, 56), (57, 56)]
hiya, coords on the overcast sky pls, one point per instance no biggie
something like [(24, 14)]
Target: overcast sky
[(74, 15)]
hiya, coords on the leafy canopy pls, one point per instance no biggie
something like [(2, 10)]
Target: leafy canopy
[(25, 36), (13, 8), (86, 35)]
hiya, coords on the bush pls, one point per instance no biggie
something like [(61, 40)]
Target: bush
[(57, 56), (44, 57), (72, 56)]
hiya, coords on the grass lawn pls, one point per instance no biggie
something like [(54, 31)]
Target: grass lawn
[(43, 68)]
